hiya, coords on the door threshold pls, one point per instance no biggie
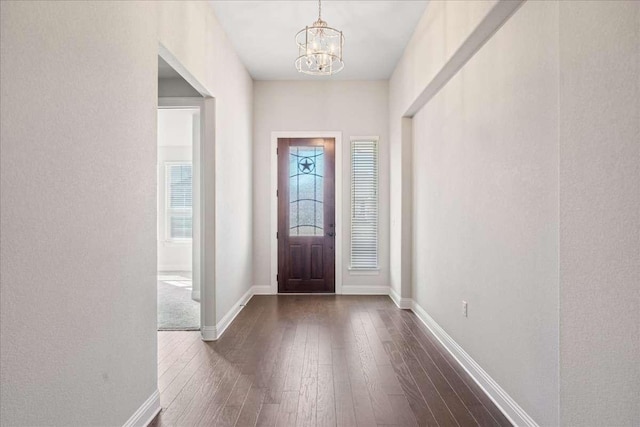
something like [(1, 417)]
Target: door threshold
[(307, 293)]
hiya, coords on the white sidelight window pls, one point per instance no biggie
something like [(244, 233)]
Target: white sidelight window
[(364, 203), (179, 210)]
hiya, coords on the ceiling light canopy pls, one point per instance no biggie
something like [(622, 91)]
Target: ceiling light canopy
[(319, 48)]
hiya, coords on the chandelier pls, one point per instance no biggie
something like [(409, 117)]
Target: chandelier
[(319, 48)]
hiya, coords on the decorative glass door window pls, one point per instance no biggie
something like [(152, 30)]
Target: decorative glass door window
[(306, 199)]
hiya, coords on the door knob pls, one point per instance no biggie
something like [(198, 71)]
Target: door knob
[(330, 234)]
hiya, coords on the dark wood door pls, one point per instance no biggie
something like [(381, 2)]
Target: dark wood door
[(306, 215)]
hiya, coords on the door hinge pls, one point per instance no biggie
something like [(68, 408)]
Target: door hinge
[(276, 151), (277, 278), (277, 193), (276, 235)]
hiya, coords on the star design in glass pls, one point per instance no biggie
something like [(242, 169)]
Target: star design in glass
[(306, 165)]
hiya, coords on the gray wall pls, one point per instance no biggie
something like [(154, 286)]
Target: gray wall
[(599, 213), (526, 204), (485, 215), (78, 130), (78, 199), (172, 87), (440, 33)]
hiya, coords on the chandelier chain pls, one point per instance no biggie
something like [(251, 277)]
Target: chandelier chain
[(319, 10)]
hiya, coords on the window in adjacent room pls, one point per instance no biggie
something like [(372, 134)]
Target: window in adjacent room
[(364, 204), (179, 212)]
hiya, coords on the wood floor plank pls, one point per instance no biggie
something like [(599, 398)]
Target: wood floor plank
[(170, 392), (362, 404), (324, 345), (178, 365), (456, 405), (470, 395), (268, 415), (389, 380), (170, 341), (375, 343), (380, 403), (175, 354), (345, 412), (307, 401), (251, 407), (191, 392), (228, 417), (288, 409), (276, 385), (211, 397), (310, 361), (266, 364), (402, 410), (166, 339), (317, 361), (264, 335), (416, 400), (294, 373), (239, 392), (439, 408), (326, 408)]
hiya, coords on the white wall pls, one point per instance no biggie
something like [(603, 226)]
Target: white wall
[(78, 141), (175, 143), (525, 200), (78, 170), (485, 208), (356, 108), (599, 213), (450, 23)]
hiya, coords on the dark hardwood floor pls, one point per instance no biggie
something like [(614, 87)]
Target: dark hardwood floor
[(317, 361)]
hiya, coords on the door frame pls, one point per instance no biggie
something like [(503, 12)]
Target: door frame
[(207, 193), (202, 219), (337, 136)]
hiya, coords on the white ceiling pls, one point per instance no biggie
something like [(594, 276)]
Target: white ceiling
[(376, 33)]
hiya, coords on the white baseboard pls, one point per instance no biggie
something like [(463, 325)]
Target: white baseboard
[(226, 320), (213, 333), (262, 290), (163, 268), (503, 401), (403, 303), (145, 413), (208, 333), (365, 290)]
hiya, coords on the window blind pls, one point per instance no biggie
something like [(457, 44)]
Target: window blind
[(179, 200), (364, 205)]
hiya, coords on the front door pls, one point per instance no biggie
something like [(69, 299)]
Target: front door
[(306, 215)]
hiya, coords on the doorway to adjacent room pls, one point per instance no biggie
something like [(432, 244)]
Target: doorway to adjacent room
[(178, 298)]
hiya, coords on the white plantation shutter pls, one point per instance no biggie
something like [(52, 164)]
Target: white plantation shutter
[(179, 200), (364, 205)]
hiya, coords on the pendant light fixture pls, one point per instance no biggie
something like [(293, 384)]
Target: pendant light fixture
[(319, 48)]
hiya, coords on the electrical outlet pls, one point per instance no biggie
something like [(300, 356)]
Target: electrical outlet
[(464, 309)]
